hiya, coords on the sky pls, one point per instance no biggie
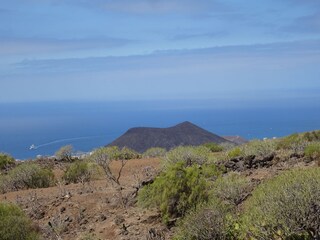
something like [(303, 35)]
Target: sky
[(142, 50)]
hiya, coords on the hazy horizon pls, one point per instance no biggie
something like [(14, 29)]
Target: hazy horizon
[(90, 125)]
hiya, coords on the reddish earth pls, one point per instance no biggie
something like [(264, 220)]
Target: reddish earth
[(76, 211), (96, 210)]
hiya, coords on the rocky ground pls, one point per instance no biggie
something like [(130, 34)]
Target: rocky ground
[(96, 210), (93, 210)]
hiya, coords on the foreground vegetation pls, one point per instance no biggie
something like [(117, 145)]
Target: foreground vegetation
[(206, 192), (209, 202), (15, 225)]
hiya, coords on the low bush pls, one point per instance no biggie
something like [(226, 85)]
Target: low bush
[(65, 153), (260, 148), (257, 148), (231, 189), (155, 152), (285, 207), (227, 146), (81, 171), (127, 154), (312, 136), (14, 224), (5, 160), (177, 190), (312, 151), (207, 222), (235, 152), (218, 218), (114, 153), (187, 154), (27, 175), (213, 147), (294, 142)]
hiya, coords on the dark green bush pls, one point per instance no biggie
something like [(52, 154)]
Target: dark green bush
[(213, 147), (5, 160), (81, 171), (285, 207), (14, 225), (155, 152), (177, 190), (26, 175)]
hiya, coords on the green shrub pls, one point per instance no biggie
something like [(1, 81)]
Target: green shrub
[(14, 225), (187, 154), (260, 147), (3, 184), (65, 153), (231, 189), (235, 152), (312, 136), (81, 171), (294, 142), (227, 146), (155, 152), (27, 175), (213, 147), (207, 222), (285, 207), (103, 157), (5, 160), (217, 219), (312, 151), (177, 190), (255, 147), (127, 154)]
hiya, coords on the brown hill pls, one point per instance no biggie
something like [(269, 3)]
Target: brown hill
[(236, 139), (142, 138)]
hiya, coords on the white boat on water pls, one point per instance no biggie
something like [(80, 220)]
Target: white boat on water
[(33, 147)]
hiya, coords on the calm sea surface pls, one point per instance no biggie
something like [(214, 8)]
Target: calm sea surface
[(89, 125)]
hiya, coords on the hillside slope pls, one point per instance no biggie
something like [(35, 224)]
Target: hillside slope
[(236, 139), (186, 133)]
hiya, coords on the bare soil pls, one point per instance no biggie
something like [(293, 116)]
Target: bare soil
[(95, 209)]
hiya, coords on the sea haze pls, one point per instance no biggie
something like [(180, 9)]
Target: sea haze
[(87, 126)]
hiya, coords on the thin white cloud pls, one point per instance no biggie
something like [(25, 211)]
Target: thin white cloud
[(171, 58), (198, 73), (18, 46), (157, 6), (147, 6), (306, 24)]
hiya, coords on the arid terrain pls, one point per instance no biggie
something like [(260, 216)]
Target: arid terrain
[(76, 211), (94, 210)]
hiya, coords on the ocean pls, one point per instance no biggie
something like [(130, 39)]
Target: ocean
[(88, 125)]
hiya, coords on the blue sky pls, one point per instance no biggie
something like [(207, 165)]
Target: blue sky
[(110, 50)]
